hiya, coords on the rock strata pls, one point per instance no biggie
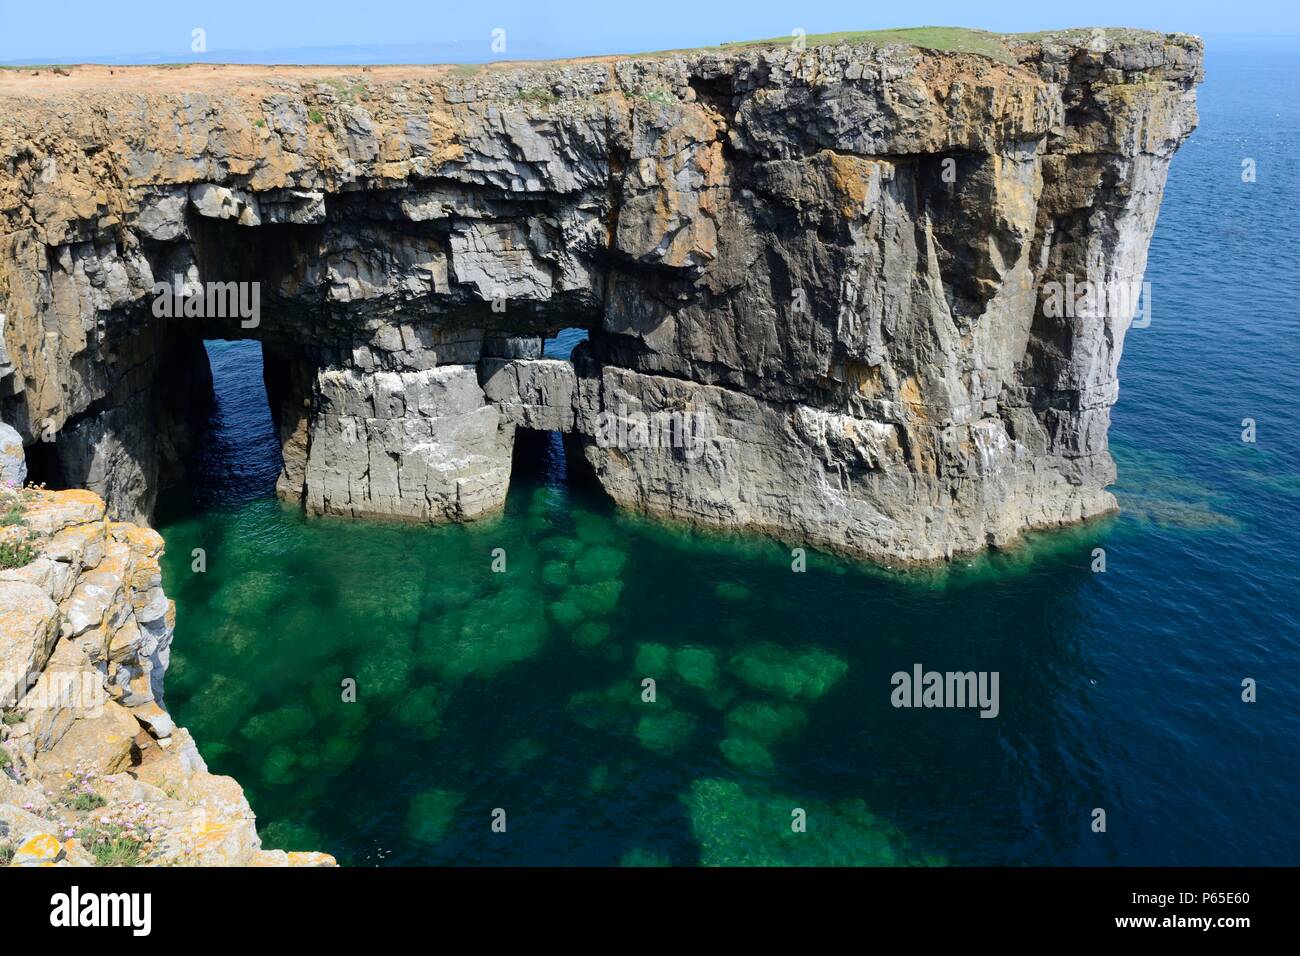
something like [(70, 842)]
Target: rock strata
[(85, 637), (834, 256)]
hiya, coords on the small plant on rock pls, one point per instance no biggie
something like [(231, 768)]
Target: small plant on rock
[(538, 95), (348, 92), (79, 792), (111, 845), (121, 838), (16, 548), (17, 553), (13, 504), (86, 801)]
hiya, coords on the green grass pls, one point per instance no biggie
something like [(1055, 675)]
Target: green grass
[(996, 46), (348, 92), (537, 95), (658, 96), (16, 555), (947, 39), (87, 801), (13, 515), (316, 116), (111, 845)]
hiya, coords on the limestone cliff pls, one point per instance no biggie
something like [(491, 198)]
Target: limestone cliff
[(827, 264), (92, 768)]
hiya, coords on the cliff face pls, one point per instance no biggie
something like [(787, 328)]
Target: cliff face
[(813, 279), (92, 768)]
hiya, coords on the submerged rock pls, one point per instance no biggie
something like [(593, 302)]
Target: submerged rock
[(491, 635), (596, 600), (698, 666), (590, 634), (805, 673), (653, 660), (738, 827), (600, 564), (522, 752), (421, 710), (289, 723), (567, 549), (664, 730), (567, 613), (607, 707), (747, 754), (556, 573), (431, 814), (765, 722)]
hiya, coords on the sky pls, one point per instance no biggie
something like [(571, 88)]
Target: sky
[(124, 31)]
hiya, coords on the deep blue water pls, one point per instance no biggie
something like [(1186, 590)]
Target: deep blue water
[(1119, 690), (1187, 614)]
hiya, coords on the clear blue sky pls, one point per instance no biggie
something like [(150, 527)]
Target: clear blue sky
[(127, 30)]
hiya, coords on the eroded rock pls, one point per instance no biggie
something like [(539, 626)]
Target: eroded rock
[(83, 650), (834, 258)]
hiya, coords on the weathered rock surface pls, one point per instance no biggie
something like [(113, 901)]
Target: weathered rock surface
[(85, 637), (541, 394), (836, 256), (423, 445), (13, 462)]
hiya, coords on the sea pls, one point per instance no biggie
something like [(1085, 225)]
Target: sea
[(628, 693)]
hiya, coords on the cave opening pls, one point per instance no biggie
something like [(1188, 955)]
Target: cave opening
[(231, 453), (553, 458), (562, 344), (43, 466), (538, 458)]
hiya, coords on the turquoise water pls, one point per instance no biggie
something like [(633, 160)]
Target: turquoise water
[(521, 690)]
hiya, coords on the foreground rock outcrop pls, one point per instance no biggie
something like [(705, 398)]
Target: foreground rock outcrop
[(813, 279), (93, 771)]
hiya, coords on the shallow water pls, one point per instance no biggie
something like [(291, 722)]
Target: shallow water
[(522, 690)]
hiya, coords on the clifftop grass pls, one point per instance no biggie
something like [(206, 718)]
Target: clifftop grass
[(947, 39), (995, 46)]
